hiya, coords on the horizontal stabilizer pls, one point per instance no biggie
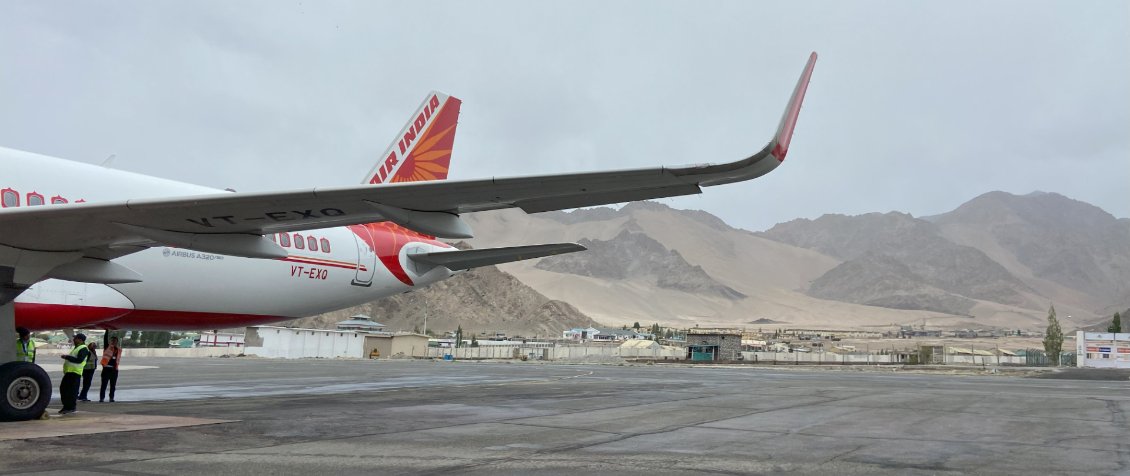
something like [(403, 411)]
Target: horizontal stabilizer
[(467, 259)]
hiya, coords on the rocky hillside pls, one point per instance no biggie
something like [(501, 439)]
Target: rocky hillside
[(997, 261), (650, 263), (634, 255), (483, 300), (895, 260), (878, 279), (1069, 250)]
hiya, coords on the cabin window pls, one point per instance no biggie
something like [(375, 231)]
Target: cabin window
[(9, 198), (325, 245), (313, 243), (57, 200), (299, 242), (34, 199), (284, 240)]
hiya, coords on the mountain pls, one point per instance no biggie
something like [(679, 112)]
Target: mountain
[(997, 261), (896, 260), (650, 263), (636, 255), (480, 300), (1069, 250), (878, 279)]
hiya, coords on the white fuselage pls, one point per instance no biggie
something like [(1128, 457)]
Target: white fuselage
[(185, 289)]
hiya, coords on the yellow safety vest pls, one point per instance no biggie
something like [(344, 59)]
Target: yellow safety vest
[(71, 367), (25, 352)]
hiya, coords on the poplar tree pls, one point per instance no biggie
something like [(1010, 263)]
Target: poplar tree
[(1053, 338), (1115, 324)]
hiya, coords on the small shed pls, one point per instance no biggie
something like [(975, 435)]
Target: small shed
[(398, 345)]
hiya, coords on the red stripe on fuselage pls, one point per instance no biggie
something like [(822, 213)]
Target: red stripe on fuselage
[(38, 317), (322, 262)]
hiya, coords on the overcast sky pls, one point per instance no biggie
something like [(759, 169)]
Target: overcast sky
[(914, 106)]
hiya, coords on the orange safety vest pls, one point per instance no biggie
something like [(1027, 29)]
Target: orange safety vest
[(115, 352)]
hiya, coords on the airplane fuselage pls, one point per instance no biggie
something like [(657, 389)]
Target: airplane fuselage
[(327, 269)]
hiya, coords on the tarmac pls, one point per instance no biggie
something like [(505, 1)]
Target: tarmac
[(264, 416)]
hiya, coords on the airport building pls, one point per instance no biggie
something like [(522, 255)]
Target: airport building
[(296, 343), (714, 344)]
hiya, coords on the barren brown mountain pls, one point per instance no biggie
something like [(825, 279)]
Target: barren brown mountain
[(995, 262), (1069, 250), (896, 260), (482, 301)]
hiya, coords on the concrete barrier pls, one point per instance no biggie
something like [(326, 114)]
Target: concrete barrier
[(143, 352), (565, 352)]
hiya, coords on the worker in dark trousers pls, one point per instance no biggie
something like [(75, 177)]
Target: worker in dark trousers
[(25, 347), (111, 359), (88, 371), (73, 364)]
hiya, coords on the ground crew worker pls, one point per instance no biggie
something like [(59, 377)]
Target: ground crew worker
[(111, 359), (25, 347), (88, 371), (73, 364)]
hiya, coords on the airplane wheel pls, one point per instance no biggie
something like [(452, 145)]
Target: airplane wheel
[(27, 391)]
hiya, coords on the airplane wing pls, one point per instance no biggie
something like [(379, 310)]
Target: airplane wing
[(231, 223)]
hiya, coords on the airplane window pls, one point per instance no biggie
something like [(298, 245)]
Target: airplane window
[(284, 240), (58, 200), (325, 245), (313, 242), (34, 199), (11, 198), (299, 242)]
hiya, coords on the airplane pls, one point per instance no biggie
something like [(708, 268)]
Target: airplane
[(88, 246)]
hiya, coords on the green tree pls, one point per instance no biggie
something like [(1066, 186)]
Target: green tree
[(459, 336), (474, 341), (1053, 338), (1115, 324), (149, 339), (636, 326)]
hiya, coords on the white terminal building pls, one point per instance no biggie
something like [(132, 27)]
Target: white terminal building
[(1103, 350)]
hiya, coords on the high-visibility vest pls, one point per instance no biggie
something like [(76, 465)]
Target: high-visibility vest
[(72, 367), (92, 359), (25, 351), (112, 353)]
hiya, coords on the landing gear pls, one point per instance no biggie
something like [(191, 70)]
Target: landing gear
[(26, 391)]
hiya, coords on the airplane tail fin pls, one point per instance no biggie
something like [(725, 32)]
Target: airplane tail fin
[(422, 150)]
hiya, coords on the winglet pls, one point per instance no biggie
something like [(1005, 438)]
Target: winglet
[(788, 121), (760, 163)]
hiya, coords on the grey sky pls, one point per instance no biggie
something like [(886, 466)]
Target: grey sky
[(914, 106)]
